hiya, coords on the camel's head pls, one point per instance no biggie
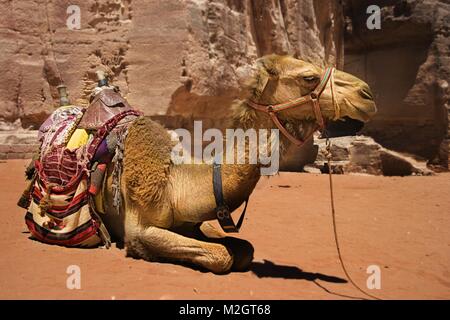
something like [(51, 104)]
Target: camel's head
[(280, 79)]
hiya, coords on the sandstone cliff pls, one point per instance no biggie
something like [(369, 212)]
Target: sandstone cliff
[(179, 60), (407, 64), (174, 56)]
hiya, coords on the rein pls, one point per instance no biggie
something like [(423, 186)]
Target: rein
[(329, 156), (311, 99)]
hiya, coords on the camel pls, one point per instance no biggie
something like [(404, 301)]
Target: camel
[(166, 207)]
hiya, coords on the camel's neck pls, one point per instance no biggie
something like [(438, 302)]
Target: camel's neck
[(241, 179), (192, 186)]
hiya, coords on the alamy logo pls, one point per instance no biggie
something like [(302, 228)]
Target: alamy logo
[(74, 279), (374, 280), (374, 20), (73, 21), (237, 147)]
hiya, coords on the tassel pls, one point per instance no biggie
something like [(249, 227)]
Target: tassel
[(46, 202), (25, 199)]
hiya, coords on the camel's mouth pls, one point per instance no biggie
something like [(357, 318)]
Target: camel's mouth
[(357, 100), (364, 108)]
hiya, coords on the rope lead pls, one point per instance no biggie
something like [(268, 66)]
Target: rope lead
[(329, 157)]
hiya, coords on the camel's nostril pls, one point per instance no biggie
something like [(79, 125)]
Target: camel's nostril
[(366, 93)]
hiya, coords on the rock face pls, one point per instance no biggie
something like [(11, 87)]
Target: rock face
[(168, 57), (177, 60), (361, 154), (37, 49), (407, 65), (224, 38), (183, 60)]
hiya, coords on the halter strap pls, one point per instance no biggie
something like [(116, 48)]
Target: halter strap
[(312, 98), (223, 213)]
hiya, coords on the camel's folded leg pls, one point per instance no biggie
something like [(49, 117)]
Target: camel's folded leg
[(155, 244), (242, 250)]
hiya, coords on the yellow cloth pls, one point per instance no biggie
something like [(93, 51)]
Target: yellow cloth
[(79, 138)]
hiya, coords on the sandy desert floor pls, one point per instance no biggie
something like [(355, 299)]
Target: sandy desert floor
[(401, 225)]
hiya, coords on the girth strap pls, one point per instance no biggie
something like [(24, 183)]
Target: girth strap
[(222, 210)]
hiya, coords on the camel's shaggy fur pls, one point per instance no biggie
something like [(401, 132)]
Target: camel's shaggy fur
[(153, 156)]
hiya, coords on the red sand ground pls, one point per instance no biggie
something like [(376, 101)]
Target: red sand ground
[(399, 224)]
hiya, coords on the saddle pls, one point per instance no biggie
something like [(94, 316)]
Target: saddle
[(76, 146), (107, 104)]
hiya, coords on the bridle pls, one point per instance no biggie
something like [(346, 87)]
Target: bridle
[(222, 210), (310, 99)]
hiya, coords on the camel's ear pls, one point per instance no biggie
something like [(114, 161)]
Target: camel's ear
[(265, 71), (270, 64), (261, 80)]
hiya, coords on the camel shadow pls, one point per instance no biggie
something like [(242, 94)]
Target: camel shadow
[(268, 269)]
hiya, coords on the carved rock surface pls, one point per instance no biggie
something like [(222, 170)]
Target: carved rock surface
[(407, 64), (175, 57), (172, 59), (185, 60)]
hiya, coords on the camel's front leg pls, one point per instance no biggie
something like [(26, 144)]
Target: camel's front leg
[(155, 244), (242, 250)]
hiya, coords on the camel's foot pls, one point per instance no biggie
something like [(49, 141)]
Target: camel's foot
[(156, 244), (241, 250)]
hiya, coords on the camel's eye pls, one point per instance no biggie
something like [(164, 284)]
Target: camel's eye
[(310, 78)]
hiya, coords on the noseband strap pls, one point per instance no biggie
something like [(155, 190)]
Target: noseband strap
[(312, 99)]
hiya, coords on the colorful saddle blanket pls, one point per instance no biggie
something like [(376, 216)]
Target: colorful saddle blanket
[(61, 205)]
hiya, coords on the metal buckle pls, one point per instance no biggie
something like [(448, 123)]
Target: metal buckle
[(223, 212)]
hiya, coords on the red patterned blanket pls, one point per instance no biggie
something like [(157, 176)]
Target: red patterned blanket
[(60, 211)]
